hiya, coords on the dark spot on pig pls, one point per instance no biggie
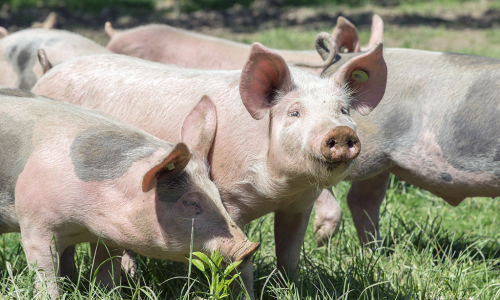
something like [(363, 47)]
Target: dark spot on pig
[(171, 189), (497, 155), (16, 93), (446, 176), (23, 56), (11, 52), (23, 59), (472, 140), (474, 61), (17, 146), (106, 152)]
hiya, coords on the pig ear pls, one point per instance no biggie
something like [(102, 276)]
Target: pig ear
[(109, 29), (168, 166), (3, 32), (345, 36), (365, 76), (265, 73), (44, 61), (377, 32), (198, 130)]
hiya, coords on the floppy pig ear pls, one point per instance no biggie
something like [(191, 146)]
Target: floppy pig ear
[(345, 36), (198, 130), (366, 78), (169, 165), (265, 73)]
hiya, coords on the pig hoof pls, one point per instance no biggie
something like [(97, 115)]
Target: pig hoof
[(325, 231), (129, 263)]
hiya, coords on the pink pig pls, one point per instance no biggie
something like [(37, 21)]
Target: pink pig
[(282, 133), (170, 45), (72, 175)]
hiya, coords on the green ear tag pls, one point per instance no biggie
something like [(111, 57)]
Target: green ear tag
[(170, 167), (359, 76), (344, 49)]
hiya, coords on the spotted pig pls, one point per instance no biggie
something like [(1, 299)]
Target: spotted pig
[(70, 175)]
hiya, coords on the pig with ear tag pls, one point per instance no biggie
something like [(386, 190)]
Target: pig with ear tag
[(73, 175)]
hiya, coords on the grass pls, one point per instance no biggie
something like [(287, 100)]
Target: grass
[(430, 249)]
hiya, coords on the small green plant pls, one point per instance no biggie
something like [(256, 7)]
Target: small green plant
[(218, 277)]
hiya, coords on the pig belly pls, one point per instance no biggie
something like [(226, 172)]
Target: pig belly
[(435, 174)]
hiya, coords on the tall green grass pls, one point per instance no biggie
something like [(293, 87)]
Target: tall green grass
[(430, 251)]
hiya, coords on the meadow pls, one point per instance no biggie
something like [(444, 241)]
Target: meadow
[(430, 249)]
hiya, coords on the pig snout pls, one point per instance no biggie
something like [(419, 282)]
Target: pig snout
[(239, 251), (247, 254), (340, 144)]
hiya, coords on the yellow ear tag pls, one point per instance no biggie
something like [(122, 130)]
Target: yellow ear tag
[(359, 76), (344, 49), (170, 167)]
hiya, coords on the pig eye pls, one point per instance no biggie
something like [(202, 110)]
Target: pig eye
[(344, 111), (294, 114)]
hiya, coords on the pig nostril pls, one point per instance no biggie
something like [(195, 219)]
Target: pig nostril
[(350, 143), (331, 143)]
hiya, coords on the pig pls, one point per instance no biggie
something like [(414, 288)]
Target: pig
[(436, 128), (18, 53), (71, 175), (170, 45), (282, 134)]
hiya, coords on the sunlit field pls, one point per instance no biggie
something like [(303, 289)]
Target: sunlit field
[(430, 250)]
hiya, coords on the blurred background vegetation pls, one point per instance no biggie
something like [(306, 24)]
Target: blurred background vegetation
[(96, 6)]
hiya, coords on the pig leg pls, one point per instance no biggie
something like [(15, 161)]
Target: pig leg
[(289, 232), (41, 252), (107, 261), (328, 217), (246, 275), (364, 200), (129, 263), (67, 262)]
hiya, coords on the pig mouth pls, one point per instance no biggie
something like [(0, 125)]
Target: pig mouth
[(325, 170), (331, 166)]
